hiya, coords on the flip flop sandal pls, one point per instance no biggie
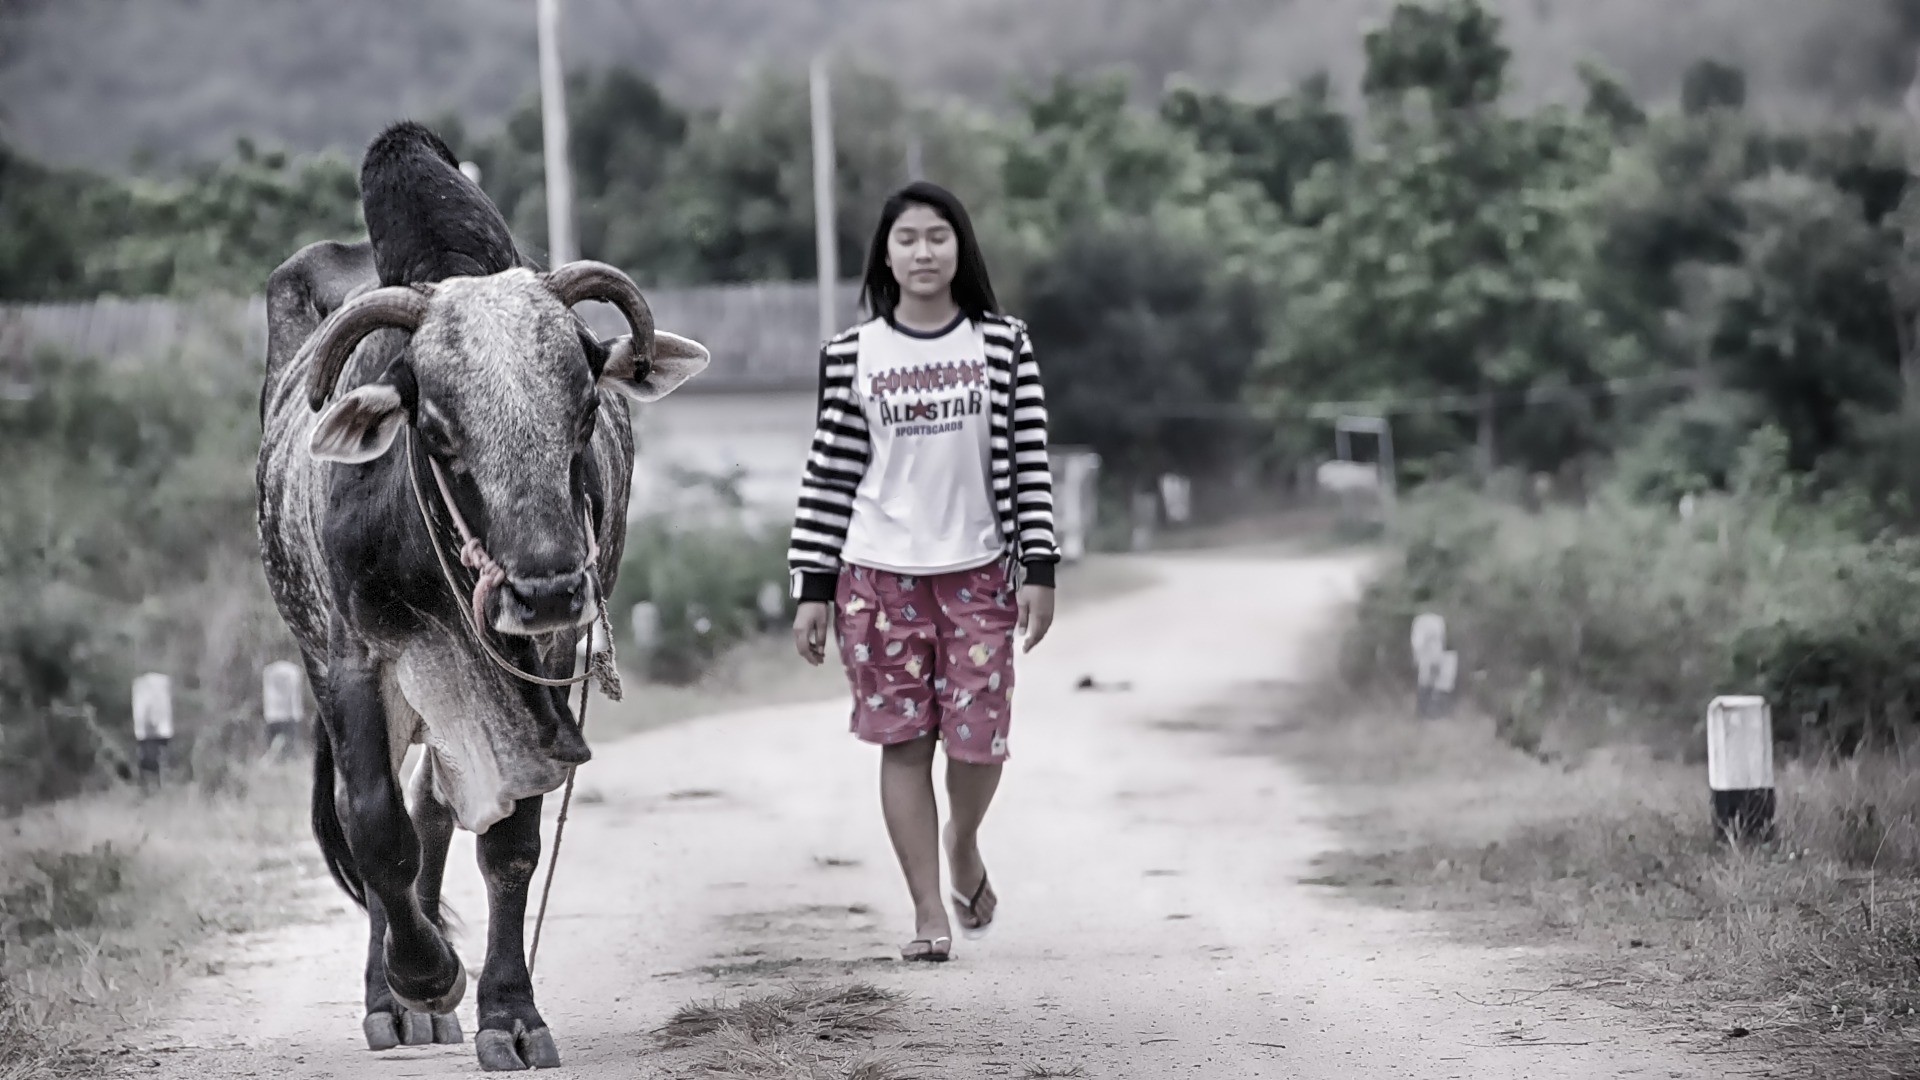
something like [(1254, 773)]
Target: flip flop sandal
[(935, 952), (972, 933)]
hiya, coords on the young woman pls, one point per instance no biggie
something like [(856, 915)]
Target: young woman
[(925, 535)]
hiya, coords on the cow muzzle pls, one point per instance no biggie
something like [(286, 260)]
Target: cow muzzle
[(543, 605)]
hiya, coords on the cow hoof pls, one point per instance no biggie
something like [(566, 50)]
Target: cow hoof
[(445, 1003), (416, 1029), (513, 1051), (537, 1049), (382, 1032), (446, 1029)]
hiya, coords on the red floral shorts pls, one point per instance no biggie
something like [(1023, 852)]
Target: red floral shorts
[(926, 654)]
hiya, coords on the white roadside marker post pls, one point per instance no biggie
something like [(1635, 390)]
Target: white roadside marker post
[(1740, 767), (280, 685), (1429, 641), (152, 722)]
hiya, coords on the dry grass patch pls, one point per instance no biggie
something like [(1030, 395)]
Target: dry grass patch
[(25, 1053), (805, 1032), (103, 900), (1806, 950)]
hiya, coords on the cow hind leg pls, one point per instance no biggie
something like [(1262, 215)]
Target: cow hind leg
[(512, 1035)]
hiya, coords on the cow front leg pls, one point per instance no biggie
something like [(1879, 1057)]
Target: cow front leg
[(422, 970), (512, 1034), (388, 1023), (433, 822)]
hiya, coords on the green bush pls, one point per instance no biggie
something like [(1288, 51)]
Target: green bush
[(704, 575), (127, 544), (1622, 612)]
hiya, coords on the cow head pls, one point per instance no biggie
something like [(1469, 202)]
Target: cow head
[(501, 385)]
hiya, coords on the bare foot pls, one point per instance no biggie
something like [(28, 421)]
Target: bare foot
[(974, 901)]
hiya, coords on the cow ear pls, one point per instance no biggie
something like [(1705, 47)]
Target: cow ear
[(674, 360), (360, 425)]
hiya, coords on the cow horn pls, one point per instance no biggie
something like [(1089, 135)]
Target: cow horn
[(586, 279), (396, 307)]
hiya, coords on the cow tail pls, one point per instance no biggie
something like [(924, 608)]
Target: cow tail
[(326, 821)]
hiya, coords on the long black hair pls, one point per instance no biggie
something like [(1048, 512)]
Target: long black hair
[(972, 291)]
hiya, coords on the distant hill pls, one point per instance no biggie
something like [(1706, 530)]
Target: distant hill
[(102, 82)]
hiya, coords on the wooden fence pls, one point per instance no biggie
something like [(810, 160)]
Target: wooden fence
[(762, 336)]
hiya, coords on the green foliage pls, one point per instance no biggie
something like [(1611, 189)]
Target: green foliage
[(704, 578), (1622, 614), (1805, 319), (1084, 162), (1692, 448), (127, 545), (68, 234), (1137, 329), (624, 136), (1275, 144), (1711, 85), (1455, 254), (1450, 51)]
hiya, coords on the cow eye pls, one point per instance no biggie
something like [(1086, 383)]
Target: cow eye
[(439, 442)]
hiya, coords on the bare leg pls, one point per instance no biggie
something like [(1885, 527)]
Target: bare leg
[(913, 822), (970, 791)]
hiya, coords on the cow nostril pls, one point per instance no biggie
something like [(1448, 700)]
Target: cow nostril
[(557, 596)]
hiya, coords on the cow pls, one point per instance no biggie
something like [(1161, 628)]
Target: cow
[(444, 466)]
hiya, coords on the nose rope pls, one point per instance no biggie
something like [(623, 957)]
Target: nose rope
[(473, 554), (491, 575)]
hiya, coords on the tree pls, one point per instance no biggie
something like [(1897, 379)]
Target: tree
[(1710, 85), (623, 135), (1275, 144), (67, 234), (1453, 256), (1450, 52), (1084, 162), (1805, 320), (1142, 341)]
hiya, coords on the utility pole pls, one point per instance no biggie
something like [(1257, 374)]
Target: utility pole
[(553, 129), (916, 164), (826, 251)]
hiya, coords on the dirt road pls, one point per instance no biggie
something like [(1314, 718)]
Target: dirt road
[(1153, 921)]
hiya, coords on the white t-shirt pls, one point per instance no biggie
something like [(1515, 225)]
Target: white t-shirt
[(925, 504)]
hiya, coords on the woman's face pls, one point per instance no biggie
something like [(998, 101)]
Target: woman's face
[(923, 252)]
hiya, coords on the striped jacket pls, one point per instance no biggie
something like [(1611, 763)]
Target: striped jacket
[(1022, 479)]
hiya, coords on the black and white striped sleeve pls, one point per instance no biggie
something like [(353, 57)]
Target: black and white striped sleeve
[(1033, 476), (836, 461)]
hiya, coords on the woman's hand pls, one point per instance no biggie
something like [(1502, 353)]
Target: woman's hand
[(1036, 614), (810, 631)]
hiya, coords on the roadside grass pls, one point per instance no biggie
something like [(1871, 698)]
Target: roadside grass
[(106, 898), (1803, 954), (810, 1032)]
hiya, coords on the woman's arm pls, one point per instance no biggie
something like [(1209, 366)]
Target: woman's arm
[(1033, 496), (1032, 473), (836, 461)]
